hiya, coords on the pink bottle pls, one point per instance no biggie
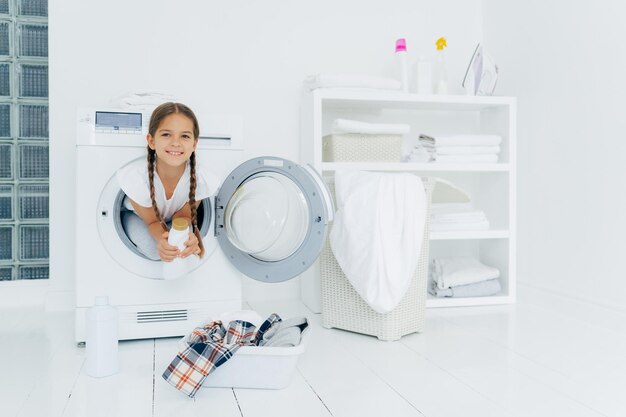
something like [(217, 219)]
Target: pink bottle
[(402, 64)]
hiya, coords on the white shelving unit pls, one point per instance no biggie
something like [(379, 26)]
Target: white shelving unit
[(492, 187)]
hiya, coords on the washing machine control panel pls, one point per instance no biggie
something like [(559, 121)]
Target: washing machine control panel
[(118, 122)]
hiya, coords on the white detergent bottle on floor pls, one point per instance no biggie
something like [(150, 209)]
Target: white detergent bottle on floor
[(101, 339), (178, 267)]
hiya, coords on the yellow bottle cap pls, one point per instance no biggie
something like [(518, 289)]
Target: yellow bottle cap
[(441, 43), (180, 223)]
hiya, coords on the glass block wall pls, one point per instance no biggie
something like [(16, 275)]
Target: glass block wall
[(24, 230)]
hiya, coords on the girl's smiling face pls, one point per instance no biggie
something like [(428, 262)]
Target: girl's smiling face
[(173, 140)]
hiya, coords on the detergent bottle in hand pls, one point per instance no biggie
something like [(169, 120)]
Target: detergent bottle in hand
[(178, 267)]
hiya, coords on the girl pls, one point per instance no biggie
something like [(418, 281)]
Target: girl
[(170, 184)]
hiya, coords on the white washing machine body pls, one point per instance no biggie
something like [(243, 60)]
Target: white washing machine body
[(268, 221)]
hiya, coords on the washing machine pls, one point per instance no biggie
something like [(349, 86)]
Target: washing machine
[(268, 221)]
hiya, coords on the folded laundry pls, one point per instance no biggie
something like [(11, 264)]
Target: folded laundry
[(354, 126), (465, 140), (487, 158), (351, 81), (467, 150), (142, 101), (459, 217), (450, 272), (478, 289), (419, 154), (458, 227), (211, 345)]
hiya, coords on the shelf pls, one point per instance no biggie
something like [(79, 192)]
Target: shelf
[(468, 301), (470, 234), (347, 98), (414, 167)]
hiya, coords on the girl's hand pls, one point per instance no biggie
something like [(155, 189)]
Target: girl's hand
[(192, 246), (166, 251)]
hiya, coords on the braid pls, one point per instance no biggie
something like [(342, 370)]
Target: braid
[(192, 201), (151, 161)]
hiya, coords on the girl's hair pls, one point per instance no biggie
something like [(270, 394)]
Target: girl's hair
[(157, 117)]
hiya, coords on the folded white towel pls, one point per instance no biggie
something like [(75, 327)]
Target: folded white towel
[(450, 272), (460, 217), (467, 150), (467, 140), (377, 233), (351, 81), (441, 208), (458, 227), (461, 159), (144, 101), (354, 126), (477, 289)]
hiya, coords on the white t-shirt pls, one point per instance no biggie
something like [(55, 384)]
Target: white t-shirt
[(133, 180)]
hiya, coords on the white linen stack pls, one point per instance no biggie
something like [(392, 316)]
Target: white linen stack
[(462, 148), (142, 101), (462, 277), (369, 82), (341, 126), (449, 217)]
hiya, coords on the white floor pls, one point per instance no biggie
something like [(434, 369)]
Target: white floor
[(544, 356)]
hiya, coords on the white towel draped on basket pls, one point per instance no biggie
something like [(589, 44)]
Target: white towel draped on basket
[(377, 233)]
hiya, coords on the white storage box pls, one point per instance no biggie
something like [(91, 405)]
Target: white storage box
[(258, 367), (356, 147)]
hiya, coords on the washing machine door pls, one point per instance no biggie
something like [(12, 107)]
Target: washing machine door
[(271, 217)]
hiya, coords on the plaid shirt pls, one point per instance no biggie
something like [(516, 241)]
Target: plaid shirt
[(211, 346)]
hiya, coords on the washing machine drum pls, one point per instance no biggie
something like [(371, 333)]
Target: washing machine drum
[(271, 218)]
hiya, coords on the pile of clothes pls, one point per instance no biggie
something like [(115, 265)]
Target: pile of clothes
[(464, 148), (462, 277), (211, 345)]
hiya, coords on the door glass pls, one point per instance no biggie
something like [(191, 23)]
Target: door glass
[(267, 217)]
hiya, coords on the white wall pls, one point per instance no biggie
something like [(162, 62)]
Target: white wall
[(247, 58), (566, 63)]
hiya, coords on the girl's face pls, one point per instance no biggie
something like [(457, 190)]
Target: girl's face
[(173, 141)]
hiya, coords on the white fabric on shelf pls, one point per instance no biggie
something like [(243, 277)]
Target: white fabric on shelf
[(458, 227), (351, 81), (450, 272), (467, 150), (377, 233), (477, 289), (467, 140), (143, 101), (354, 126), (467, 158), (459, 217)]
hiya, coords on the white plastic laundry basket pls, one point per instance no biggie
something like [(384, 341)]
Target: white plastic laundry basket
[(343, 307), (258, 367)]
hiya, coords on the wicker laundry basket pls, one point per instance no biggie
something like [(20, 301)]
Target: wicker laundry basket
[(343, 308), (356, 147)]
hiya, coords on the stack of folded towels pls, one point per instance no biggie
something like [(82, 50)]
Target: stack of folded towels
[(456, 149), (462, 277), (341, 126), (448, 217)]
